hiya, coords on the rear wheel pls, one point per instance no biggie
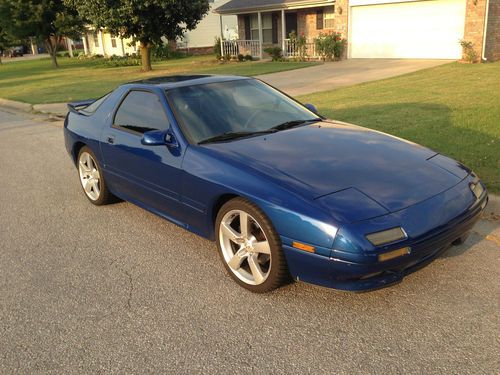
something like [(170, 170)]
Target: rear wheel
[(92, 178), (249, 247)]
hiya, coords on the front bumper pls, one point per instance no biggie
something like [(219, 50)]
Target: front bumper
[(366, 272)]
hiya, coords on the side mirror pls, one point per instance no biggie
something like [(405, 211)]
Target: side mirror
[(170, 140), (159, 138), (311, 107)]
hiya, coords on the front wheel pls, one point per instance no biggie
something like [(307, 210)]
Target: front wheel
[(92, 178), (249, 247)]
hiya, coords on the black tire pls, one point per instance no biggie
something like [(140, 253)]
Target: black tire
[(278, 271), (461, 240), (105, 196)]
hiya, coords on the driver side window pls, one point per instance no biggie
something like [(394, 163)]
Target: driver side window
[(141, 111)]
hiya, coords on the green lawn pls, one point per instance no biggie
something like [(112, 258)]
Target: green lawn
[(36, 82), (453, 109)]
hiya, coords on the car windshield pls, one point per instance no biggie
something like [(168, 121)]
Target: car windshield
[(217, 111)]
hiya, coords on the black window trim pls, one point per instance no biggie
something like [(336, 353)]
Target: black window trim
[(320, 19), (122, 99)]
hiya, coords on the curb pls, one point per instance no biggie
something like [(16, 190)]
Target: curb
[(53, 109), (19, 106), (493, 206)]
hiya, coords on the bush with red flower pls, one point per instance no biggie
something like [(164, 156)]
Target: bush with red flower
[(330, 46)]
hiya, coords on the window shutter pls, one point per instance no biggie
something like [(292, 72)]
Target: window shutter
[(319, 19), (248, 35), (275, 28)]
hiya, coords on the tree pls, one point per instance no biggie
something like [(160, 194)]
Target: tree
[(5, 42), (47, 21), (145, 22)]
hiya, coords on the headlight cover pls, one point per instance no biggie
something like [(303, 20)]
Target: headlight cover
[(477, 189), (387, 236)]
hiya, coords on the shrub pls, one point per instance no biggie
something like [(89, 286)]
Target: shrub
[(468, 52), (113, 61), (275, 53), (164, 52), (241, 58), (299, 45), (217, 47), (330, 46), (248, 57)]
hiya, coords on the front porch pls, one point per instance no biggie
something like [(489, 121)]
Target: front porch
[(255, 48), (291, 29)]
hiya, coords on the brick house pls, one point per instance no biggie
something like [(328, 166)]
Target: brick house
[(429, 29)]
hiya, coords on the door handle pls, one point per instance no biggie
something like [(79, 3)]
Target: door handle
[(110, 139)]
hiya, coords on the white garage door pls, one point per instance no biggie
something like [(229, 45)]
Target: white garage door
[(420, 29)]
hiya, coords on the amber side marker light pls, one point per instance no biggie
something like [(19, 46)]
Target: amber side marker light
[(394, 254), (301, 246)]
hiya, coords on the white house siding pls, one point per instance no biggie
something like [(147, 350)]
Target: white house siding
[(209, 28), (105, 46)]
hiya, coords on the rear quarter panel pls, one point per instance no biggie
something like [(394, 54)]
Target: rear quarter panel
[(81, 129)]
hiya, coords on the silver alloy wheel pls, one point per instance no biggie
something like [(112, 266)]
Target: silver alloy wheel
[(89, 176), (245, 247)]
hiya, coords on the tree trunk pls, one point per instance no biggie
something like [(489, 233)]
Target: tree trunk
[(146, 57), (51, 46)]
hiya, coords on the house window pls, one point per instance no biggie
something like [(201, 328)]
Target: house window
[(267, 27), (113, 41), (319, 19), (96, 39), (328, 18)]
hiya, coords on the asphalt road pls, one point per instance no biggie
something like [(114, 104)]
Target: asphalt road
[(116, 289)]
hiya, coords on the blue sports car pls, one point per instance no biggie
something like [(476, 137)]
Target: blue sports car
[(282, 190)]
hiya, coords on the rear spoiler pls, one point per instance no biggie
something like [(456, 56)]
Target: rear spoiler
[(76, 106)]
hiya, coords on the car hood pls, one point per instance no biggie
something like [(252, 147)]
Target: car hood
[(324, 158)]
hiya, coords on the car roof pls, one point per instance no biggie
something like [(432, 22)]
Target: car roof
[(174, 81)]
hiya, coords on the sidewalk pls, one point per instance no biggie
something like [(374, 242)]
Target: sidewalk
[(54, 109)]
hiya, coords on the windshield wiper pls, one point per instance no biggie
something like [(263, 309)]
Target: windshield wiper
[(234, 135), (292, 124)]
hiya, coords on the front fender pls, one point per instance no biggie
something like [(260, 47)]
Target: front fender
[(293, 216)]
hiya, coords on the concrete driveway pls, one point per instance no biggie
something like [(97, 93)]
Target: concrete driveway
[(116, 289), (344, 73)]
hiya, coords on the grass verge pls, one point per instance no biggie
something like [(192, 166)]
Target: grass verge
[(35, 82), (453, 109)]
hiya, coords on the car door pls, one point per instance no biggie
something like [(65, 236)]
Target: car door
[(144, 174)]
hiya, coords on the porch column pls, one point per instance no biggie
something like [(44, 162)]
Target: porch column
[(85, 47), (123, 46), (221, 36), (102, 43), (259, 18), (283, 31)]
